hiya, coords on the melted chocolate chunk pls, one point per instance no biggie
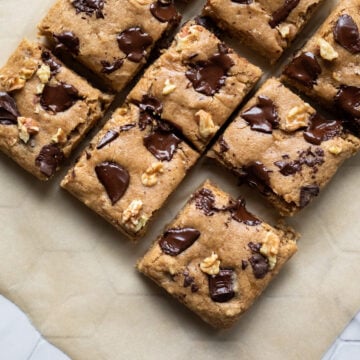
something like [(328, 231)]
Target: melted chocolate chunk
[(162, 144), (262, 117), (304, 68), (205, 201), (89, 7), (254, 247), (110, 136), (223, 145), (49, 159), (240, 214), (288, 168), (58, 98), (164, 11), (260, 265), (109, 68), (257, 176), (348, 99), (283, 12), (114, 178), (320, 129), (307, 193), (51, 62), (67, 41), (244, 264), (8, 110), (245, 2), (175, 241), (208, 23), (346, 33), (134, 42), (207, 77), (221, 286)]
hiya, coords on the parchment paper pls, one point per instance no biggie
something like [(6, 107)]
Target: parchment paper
[(74, 275)]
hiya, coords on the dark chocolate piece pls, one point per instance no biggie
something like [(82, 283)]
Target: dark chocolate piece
[(304, 68), (109, 67), (348, 99), (49, 159), (58, 98), (283, 12), (257, 176), (346, 33), (245, 2), (223, 145), (244, 264), (205, 201), (307, 193), (208, 77), (175, 241), (240, 214), (114, 178), (164, 11), (67, 41), (134, 42), (8, 110), (320, 129), (110, 136), (288, 168), (208, 23), (221, 286), (51, 62), (254, 247), (262, 117), (260, 265), (162, 144), (89, 7)]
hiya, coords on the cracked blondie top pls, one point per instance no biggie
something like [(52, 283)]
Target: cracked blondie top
[(216, 257)]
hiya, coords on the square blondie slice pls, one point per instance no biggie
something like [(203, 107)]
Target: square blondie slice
[(216, 257), (130, 169), (279, 145), (45, 109), (268, 27), (328, 67), (199, 81), (113, 38)]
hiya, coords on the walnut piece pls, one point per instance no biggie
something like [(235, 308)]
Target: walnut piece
[(44, 73), (169, 87), (270, 248), (150, 176), (284, 31), (131, 217), (27, 127), (335, 150), (207, 127), (187, 36), (59, 137), (298, 117), (327, 52), (211, 265)]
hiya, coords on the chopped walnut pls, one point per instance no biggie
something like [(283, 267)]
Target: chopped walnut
[(327, 52), (40, 89), (186, 36), (27, 127), (131, 217), (169, 87), (335, 150), (270, 248), (298, 117), (59, 137), (150, 176), (284, 31), (44, 73), (207, 127), (211, 265)]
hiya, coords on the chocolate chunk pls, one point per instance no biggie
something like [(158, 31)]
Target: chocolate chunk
[(207, 77), (205, 201), (175, 241), (89, 7), (194, 288), (188, 280), (110, 136), (134, 42), (223, 145), (162, 144), (208, 23), (221, 286), (244, 264), (257, 176), (245, 2), (51, 62), (304, 68), (240, 214), (114, 178), (67, 41), (283, 12), (58, 98), (8, 110), (109, 68), (348, 99), (150, 111), (320, 129), (260, 265), (254, 247), (164, 11), (346, 33), (49, 159), (262, 117), (307, 193), (288, 168)]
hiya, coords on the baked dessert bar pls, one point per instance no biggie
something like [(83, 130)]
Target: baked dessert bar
[(113, 38), (45, 109), (279, 145), (216, 257), (199, 81), (131, 167), (268, 27), (328, 67)]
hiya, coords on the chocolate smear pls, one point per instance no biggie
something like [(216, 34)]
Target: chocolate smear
[(240, 214), (221, 286), (346, 33), (110, 136), (175, 241), (89, 7), (283, 12), (67, 41), (205, 201), (164, 11), (49, 159), (260, 265), (307, 193), (8, 110), (108, 67), (162, 144), (114, 178)]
